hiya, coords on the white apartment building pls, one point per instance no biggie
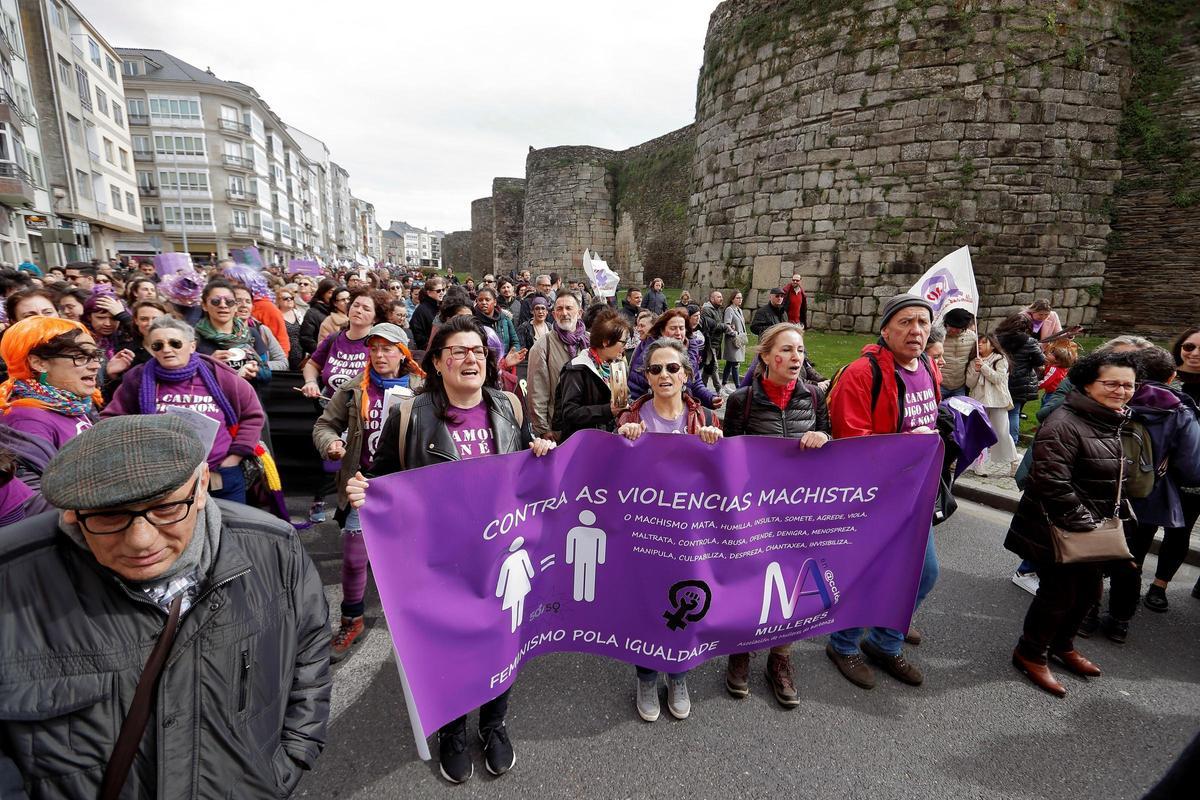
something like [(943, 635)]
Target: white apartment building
[(412, 246), (366, 229), (216, 167), (317, 193), (85, 147), (344, 235)]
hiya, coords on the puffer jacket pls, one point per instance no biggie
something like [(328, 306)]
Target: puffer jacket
[(957, 354), (428, 440), (1027, 358), (1172, 421), (1073, 481), (749, 411), (583, 399), (242, 703), (989, 384)]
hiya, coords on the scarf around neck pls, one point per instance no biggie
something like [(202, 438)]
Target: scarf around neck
[(154, 373), (240, 337), (603, 367), (572, 340), (43, 395)]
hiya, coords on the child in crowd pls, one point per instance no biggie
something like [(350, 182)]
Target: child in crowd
[(987, 378), (1059, 360)]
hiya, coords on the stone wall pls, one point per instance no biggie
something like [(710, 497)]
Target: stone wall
[(456, 251), (856, 142), (482, 216), (1152, 280), (568, 207), (508, 224)]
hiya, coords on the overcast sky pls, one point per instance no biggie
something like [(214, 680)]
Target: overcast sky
[(425, 102)]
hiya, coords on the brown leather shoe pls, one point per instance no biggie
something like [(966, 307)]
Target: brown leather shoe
[(737, 675), (1039, 674), (913, 636), (897, 666), (779, 676), (1075, 662), (853, 668)]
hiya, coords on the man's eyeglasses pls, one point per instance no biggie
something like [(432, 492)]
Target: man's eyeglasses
[(435, 291), (489, 280), (82, 358), (105, 523), (174, 344), (222, 302), (459, 352), (656, 369), (1118, 386)]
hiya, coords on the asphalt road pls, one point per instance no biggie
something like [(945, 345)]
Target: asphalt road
[(976, 729)]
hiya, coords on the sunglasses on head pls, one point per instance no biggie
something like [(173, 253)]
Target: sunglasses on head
[(225, 302), (656, 369), (174, 344)]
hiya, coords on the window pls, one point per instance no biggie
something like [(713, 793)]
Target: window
[(35, 170), (241, 219), (237, 184), (74, 130), (124, 156), (101, 102), (141, 144), (108, 151), (116, 198), (130, 68), (145, 178), (94, 51), (83, 184), (118, 115), (110, 66), (150, 215), (187, 181), (166, 108), (60, 19), (130, 203), (179, 145), (65, 72), (85, 88), (189, 215)]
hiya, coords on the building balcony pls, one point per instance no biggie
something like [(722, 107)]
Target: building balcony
[(236, 229), (147, 190), (233, 126), (101, 207), (151, 226), (139, 119), (16, 187), (234, 196), (85, 102), (143, 155), (25, 115), (237, 162), (273, 180)]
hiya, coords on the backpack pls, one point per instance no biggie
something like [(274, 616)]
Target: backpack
[(1139, 458), (877, 379)]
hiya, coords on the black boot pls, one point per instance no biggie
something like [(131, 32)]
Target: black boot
[(1090, 623)]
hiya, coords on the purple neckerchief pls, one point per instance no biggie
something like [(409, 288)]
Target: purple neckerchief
[(154, 373), (572, 340)]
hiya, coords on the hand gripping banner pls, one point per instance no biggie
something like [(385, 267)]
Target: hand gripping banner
[(664, 552)]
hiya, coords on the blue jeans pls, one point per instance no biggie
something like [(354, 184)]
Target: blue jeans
[(233, 484), (890, 640), (1014, 423), (648, 675), (961, 391)]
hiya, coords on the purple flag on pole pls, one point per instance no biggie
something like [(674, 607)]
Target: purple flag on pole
[(664, 553), (972, 430), (170, 263), (304, 266), (248, 256)]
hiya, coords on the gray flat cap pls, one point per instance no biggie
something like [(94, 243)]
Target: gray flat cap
[(903, 301), (388, 332), (123, 461)]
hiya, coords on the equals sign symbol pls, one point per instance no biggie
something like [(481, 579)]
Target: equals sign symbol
[(548, 562)]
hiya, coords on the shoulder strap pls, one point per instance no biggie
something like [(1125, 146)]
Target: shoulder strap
[(406, 407), (134, 726), (518, 412), (876, 380)]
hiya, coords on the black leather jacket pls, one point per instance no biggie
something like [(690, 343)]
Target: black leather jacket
[(748, 411), (428, 441)]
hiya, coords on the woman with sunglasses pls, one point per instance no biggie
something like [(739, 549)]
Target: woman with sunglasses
[(455, 411), (667, 408), (425, 314), (319, 306), (1187, 372), (673, 324), (179, 377), (52, 391), (292, 319), (225, 337), (583, 398)]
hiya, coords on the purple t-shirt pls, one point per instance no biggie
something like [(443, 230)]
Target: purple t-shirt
[(50, 425), (340, 359), (656, 424), (471, 431), (920, 400), (194, 395), (13, 494), (373, 424)]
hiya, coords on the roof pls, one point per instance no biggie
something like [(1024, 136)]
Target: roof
[(165, 67)]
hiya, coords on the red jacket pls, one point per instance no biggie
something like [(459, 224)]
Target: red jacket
[(796, 303), (850, 410)]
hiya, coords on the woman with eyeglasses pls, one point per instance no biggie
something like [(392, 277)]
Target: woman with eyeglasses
[(343, 354), (666, 408), (275, 356), (583, 398), (179, 377), (778, 402), (319, 307), (228, 339), (70, 303), (292, 319), (1073, 486), (457, 415), (52, 392), (306, 287)]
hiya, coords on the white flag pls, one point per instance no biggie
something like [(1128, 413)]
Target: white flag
[(950, 283)]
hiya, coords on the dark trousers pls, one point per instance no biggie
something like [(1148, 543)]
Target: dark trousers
[(491, 715), (708, 371), (1126, 586), (1065, 594)]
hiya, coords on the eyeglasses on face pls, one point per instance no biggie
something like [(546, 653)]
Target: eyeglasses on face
[(222, 302), (1118, 386), (106, 523), (656, 369), (459, 352), (82, 358), (174, 344), (345, 299)]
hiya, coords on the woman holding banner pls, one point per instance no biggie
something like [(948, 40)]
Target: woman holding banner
[(778, 402), (457, 415), (667, 408)]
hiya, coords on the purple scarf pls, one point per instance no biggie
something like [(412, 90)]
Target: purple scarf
[(573, 340), (154, 372)]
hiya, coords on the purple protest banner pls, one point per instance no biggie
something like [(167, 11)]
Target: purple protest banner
[(170, 263), (663, 552), (249, 256), (304, 266)]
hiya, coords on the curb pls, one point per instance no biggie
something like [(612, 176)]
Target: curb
[(1006, 501)]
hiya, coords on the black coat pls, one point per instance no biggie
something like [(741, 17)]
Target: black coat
[(1026, 357), (581, 400), (766, 316), (310, 326), (748, 411), (1073, 481), (421, 324)]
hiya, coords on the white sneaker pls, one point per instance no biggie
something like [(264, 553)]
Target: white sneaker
[(647, 699), (1027, 581), (678, 701)]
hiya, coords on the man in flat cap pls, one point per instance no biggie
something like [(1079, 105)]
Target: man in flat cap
[(893, 387), (155, 642)]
